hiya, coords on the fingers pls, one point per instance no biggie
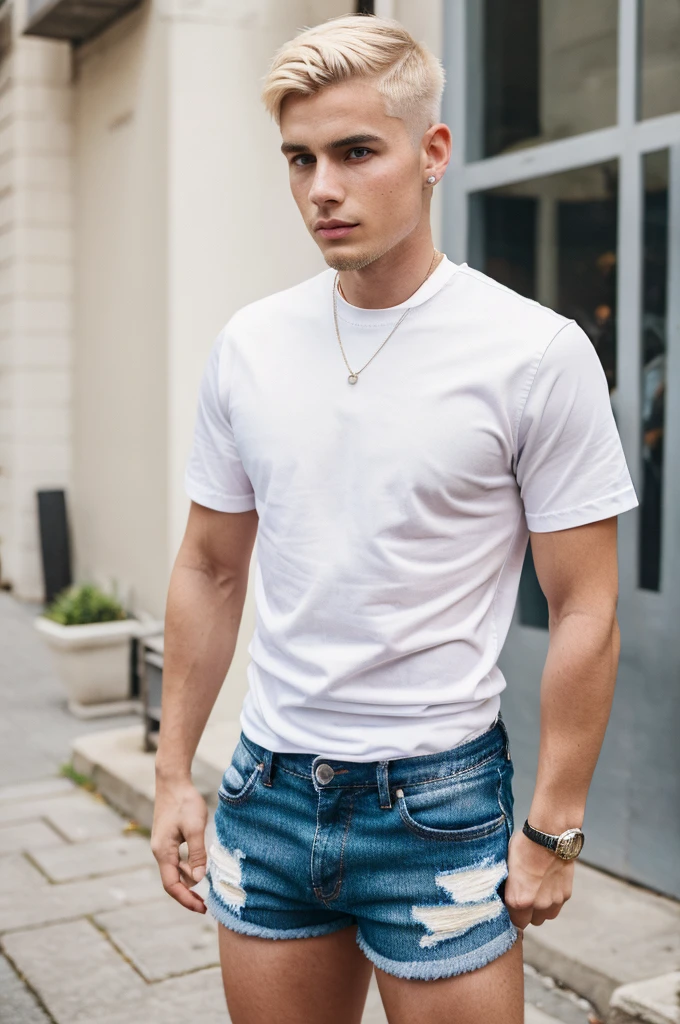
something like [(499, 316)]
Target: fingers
[(533, 911), (520, 911), (197, 856), (180, 816), (542, 914), (176, 873), (176, 886)]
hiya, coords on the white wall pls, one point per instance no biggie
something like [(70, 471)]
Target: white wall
[(36, 283), (121, 311)]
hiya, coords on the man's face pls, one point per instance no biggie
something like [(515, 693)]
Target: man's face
[(355, 173)]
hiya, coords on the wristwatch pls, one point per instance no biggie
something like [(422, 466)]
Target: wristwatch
[(567, 845)]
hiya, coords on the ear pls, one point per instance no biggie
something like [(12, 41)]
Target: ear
[(436, 151)]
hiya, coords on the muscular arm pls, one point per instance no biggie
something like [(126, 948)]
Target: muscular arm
[(577, 570), (203, 612)]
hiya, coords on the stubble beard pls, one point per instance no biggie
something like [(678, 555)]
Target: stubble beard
[(339, 261)]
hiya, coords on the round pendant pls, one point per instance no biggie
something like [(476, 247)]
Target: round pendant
[(353, 378)]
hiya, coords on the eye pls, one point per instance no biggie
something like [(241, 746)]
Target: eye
[(361, 150), (302, 156)]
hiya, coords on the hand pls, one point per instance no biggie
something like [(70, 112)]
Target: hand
[(538, 884), (180, 815)]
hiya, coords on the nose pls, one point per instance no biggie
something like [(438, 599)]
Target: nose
[(325, 187)]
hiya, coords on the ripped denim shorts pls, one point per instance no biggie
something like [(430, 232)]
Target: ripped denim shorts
[(412, 851)]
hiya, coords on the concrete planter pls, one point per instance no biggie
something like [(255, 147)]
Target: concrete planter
[(92, 660)]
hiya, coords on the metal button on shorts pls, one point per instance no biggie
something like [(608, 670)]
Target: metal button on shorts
[(324, 773)]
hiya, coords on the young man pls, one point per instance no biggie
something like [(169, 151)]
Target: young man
[(392, 429)]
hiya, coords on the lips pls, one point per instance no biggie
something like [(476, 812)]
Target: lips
[(335, 229)]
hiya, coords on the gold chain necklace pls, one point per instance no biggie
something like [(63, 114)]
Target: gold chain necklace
[(354, 376)]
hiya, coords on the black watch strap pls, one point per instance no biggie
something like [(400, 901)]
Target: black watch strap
[(543, 838)]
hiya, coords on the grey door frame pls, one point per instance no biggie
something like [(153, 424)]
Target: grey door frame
[(649, 620)]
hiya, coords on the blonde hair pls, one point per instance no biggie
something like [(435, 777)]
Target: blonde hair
[(406, 73)]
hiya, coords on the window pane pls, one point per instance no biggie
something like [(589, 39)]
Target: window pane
[(538, 70), (654, 290), (659, 57), (554, 239)]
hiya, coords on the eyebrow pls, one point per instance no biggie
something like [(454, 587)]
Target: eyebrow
[(350, 140)]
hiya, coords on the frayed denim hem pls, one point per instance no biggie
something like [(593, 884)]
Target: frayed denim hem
[(428, 970), (236, 924)]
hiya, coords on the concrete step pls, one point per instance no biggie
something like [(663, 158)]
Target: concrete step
[(655, 1001)]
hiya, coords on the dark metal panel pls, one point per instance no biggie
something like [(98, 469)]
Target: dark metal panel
[(54, 542), (74, 20)]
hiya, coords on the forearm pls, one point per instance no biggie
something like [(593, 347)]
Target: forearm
[(577, 689), (202, 619)]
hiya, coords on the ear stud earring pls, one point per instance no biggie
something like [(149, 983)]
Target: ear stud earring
[(431, 180)]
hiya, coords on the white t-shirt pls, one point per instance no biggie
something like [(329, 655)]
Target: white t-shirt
[(394, 512)]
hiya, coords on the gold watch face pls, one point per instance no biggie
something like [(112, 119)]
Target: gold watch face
[(570, 843)]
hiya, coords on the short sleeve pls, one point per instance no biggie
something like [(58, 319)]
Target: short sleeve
[(214, 475), (570, 465)]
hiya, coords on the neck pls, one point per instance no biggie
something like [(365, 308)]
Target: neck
[(391, 278)]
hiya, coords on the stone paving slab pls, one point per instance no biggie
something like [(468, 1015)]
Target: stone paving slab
[(78, 816), (14, 812), (534, 1016), (31, 834), (542, 995), (18, 875), (195, 997), (89, 860), (75, 971), (18, 1005), (75, 899), (51, 786), (84, 817), (162, 939)]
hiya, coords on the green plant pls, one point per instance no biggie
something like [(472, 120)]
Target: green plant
[(82, 603), (69, 772)]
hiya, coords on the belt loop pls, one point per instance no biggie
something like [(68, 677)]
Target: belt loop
[(267, 761), (506, 738), (384, 785)]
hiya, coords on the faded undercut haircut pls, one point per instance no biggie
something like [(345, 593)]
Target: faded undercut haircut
[(406, 73)]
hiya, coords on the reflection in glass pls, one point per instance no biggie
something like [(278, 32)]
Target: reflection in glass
[(659, 58), (538, 70), (653, 327), (554, 239)]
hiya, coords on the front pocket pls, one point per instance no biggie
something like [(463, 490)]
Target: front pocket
[(241, 767), (439, 805)]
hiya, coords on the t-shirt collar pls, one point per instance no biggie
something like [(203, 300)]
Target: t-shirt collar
[(360, 315)]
